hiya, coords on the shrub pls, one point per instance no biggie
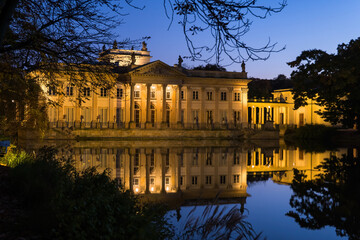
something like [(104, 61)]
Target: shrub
[(63, 203), (14, 157)]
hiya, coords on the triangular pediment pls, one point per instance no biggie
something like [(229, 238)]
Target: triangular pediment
[(156, 68)]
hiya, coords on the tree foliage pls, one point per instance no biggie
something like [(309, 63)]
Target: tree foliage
[(263, 88), (52, 39), (332, 81), (330, 200), (210, 67)]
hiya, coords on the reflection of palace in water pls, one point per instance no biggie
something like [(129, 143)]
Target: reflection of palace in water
[(188, 171)]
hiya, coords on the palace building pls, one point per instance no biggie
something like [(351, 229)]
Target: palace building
[(153, 95), (280, 111)]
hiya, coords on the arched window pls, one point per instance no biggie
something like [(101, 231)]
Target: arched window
[(137, 114)]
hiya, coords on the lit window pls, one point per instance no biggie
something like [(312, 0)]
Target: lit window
[(52, 91), (209, 96), (103, 92), (194, 180), (208, 159), (136, 181), (223, 96), (152, 94), (182, 95), (195, 159), (195, 95), (236, 178), (168, 95), (167, 180), (222, 179), (137, 94), (86, 92), (119, 93), (69, 91), (237, 96), (236, 159), (152, 181), (208, 180)]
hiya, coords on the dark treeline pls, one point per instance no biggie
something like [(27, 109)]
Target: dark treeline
[(262, 88)]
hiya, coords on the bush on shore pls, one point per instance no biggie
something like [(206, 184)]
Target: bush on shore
[(62, 203)]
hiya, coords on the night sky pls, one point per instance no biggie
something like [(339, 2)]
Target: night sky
[(302, 25)]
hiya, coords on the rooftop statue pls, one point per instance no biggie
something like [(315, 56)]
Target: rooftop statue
[(133, 58), (180, 61), (144, 46), (115, 46), (243, 66)]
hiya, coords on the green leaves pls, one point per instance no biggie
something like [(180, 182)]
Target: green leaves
[(331, 80)]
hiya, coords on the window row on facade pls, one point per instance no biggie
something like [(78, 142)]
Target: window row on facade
[(120, 93)]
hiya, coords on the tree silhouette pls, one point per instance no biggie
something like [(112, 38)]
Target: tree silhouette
[(330, 200), (332, 80)]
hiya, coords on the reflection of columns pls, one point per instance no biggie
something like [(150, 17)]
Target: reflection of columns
[(179, 105), (229, 163), (180, 160), (164, 106), (202, 163), (131, 171), (216, 117), (216, 168), (230, 108), (131, 105), (163, 159), (148, 120), (147, 170)]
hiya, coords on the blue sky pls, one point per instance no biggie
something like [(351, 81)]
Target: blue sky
[(302, 25)]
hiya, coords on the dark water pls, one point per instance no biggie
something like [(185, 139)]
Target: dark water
[(252, 179)]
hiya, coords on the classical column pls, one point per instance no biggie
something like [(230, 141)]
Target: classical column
[(230, 107), (147, 170), (244, 105), (148, 115), (132, 123), (179, 122), (188, 107), (216, 99), (163, 123)]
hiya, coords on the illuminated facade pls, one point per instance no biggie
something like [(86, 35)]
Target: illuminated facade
[(280, 110), (154, 95)]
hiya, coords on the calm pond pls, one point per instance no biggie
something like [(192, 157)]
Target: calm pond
[(251, 180)]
